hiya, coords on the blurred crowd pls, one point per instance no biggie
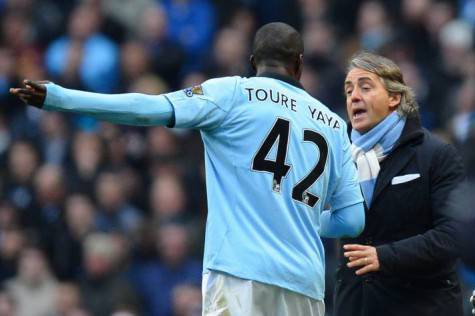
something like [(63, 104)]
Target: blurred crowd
[(100, 219)]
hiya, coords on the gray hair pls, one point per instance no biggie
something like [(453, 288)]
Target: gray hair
[(391, 77)]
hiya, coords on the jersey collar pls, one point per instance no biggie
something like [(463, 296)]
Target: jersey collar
[(284, 78)]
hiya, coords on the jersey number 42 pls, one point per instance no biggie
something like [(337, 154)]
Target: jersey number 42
[(280, 133)]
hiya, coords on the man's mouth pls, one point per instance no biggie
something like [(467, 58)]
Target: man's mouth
[(358, 113)]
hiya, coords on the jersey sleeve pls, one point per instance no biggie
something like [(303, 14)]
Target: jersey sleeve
[(343, 223), (204, 106), (347, 191), (127, 108)]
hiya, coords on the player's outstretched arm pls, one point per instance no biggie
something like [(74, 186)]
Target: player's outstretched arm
[(128, 108), (345, 222)]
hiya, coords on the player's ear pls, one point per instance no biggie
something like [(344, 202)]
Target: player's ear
[(299, 66), (252, 60)]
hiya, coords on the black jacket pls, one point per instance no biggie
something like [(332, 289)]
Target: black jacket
[(415, 235)]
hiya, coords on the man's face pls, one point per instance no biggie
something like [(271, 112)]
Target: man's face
[(367, 100)]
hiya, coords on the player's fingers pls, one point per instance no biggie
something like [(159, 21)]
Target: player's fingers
[(22, 95), (15, 90), (352, 258), (24, 99), (21, 91), (354, 247), (34, 84), (27, 91)]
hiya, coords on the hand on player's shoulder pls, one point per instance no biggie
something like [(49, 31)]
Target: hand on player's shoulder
[(32, 92)]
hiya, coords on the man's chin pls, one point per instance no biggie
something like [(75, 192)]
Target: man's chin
[(360, 125)]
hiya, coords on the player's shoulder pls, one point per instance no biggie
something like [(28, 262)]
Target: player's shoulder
[(221, 87), (226, 79), (223, 82)]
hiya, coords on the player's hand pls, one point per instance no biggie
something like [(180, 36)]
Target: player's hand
[(362, 256), (33, 92)]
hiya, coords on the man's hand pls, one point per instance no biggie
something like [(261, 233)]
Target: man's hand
[(472, 300), (362, 256), (33, 93)]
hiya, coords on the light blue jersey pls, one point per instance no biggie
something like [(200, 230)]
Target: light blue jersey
[(275, 157)]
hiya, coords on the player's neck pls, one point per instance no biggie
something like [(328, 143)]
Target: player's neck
[(281, 70)]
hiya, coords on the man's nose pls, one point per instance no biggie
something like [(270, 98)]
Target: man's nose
[(355, 95)]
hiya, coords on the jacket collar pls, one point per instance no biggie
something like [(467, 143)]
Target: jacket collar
[(412, 132), (282, 77)]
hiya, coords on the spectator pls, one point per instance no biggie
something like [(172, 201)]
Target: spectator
[(168, 198), (162, 144), (455, 41), (86, 161), (244, 21), (467, 10), (230, 52), (22, 161), (34, 288), (55, 138), (7, 73), (166, 54), (84, 57), (115, 213), (414, 17), (67, 300), (8, 217), (102, 287), (50, 193), (17, 31), (5, 140), (373, 26), (7, 304), (11, 245), (127, 13), (192, 24), (148, 84), (155, 280), (186, 300), (322, 55), (135, 62), (76, 224)]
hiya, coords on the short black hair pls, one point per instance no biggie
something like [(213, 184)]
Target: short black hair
[(277, 42)]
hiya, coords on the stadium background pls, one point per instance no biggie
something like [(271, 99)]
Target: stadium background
[(97, 219)]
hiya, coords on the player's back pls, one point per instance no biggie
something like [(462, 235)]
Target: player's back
[(273, 161)]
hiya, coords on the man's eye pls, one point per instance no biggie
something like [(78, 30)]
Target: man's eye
[(349, 92), (365, 88)]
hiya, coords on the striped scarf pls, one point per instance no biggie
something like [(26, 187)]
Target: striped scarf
[(370, 148)]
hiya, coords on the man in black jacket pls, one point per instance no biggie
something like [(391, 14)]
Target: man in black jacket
[(403, 262)]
